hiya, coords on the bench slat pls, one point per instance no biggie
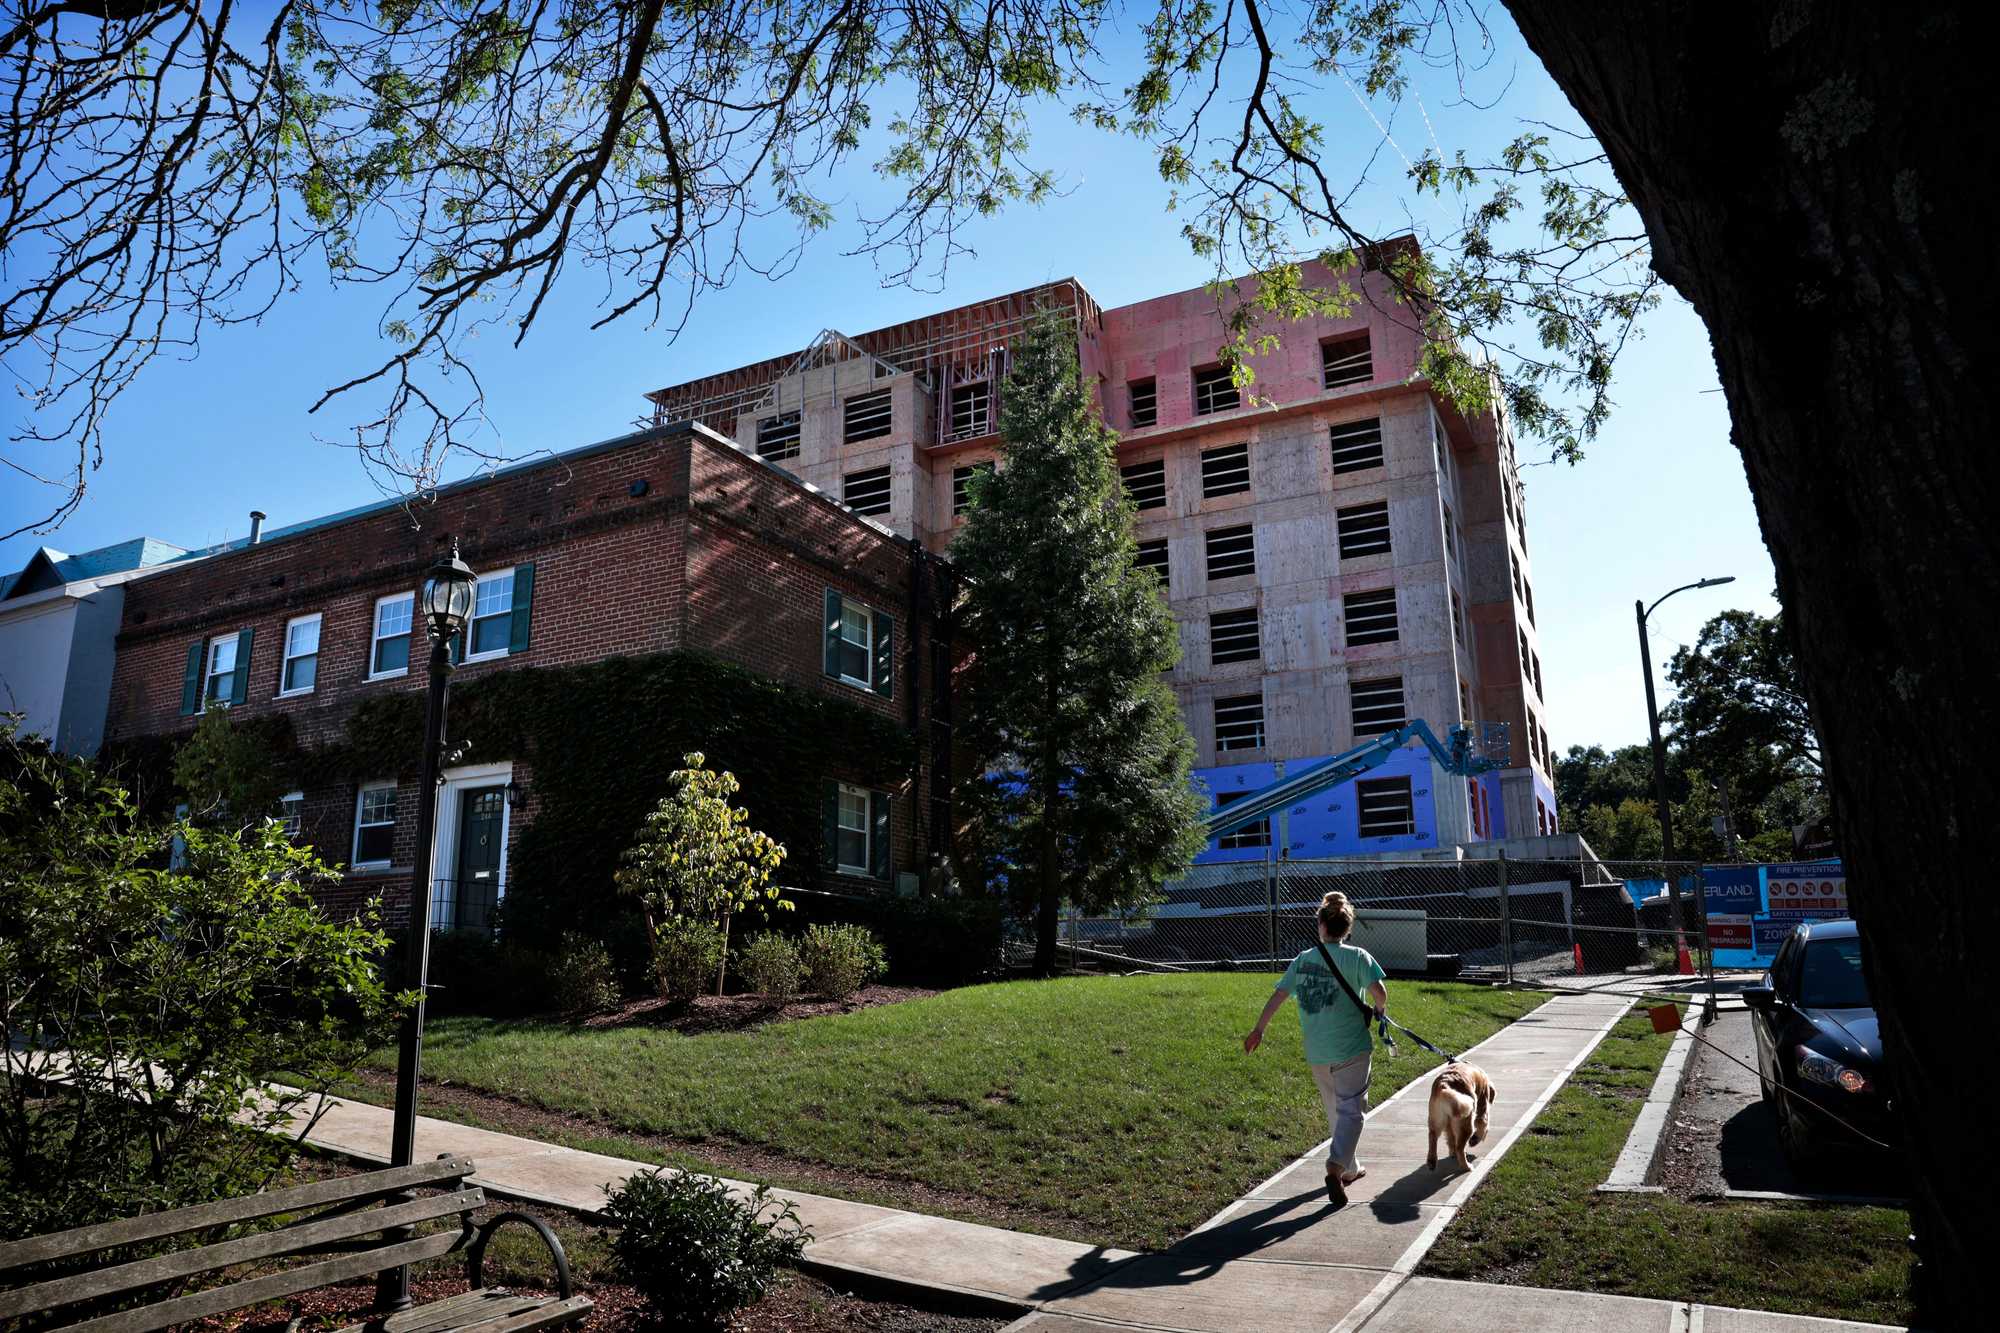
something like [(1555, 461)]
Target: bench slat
[(237, 1296), (545, 1316), (142, 1273), (478, 1306), (160, 1226)]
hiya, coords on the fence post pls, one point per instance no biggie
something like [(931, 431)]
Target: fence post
[(1072, 939), (1506, 920), (1707, 942), (1271, 910)]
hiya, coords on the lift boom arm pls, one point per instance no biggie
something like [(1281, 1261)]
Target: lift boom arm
[(1456, 756)]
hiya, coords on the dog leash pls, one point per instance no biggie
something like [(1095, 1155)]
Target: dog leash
[(1382, 1020)]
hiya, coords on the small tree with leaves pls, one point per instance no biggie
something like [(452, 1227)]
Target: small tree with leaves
[(697, 857), (144, 1004), (227, 774), (1086, 793)]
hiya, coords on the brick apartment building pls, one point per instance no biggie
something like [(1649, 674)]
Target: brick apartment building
[(1342, 549), (669, 540)]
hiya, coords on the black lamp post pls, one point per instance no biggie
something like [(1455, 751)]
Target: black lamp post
[(1659, 751), (445, 603)]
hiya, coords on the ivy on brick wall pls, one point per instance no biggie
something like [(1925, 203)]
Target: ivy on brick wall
[(599, 741)]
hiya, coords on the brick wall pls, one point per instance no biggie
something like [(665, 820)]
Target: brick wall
[(666, 540)]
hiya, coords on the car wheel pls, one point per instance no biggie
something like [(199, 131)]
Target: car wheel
[(1796, 1139)]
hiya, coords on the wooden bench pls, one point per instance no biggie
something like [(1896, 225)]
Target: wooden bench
[(102, 1279)]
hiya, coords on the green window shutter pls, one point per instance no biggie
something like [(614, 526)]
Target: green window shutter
[(830, 650), (885, 655), (239, 684), (878, 834), (191, 682), (456, 646), (829, 826), (524, 598)]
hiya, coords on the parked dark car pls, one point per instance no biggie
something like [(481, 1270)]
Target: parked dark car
[(1817, 1040)]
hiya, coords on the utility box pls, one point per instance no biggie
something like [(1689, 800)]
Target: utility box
[(1398, 937)]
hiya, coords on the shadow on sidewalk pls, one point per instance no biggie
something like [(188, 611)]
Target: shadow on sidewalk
[(1244, 1235)]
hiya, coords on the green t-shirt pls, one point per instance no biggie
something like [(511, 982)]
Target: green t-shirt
[(1334, 1028)]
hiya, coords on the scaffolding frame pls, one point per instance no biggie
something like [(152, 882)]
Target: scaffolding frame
[(944, 350)]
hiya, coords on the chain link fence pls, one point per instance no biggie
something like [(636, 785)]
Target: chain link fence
[(1535, 922)]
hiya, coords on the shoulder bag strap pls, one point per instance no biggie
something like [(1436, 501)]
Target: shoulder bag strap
[(1367, 1012)]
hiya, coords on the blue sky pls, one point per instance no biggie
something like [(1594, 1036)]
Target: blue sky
[(1660, 500)]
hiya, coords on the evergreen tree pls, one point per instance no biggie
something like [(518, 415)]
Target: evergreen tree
[(1086, 791)]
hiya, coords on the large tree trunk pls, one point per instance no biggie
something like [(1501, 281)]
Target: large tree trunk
[(1808, 175)]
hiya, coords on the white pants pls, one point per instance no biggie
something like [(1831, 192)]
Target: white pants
[(1344, 1090)]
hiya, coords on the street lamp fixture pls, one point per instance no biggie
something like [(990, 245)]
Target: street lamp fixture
[(446, 602), (1659, 751)]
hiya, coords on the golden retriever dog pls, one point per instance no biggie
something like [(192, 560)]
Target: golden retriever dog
[(1460, 1095)]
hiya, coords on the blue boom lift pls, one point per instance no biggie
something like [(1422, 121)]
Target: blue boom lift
[(1457, 756)]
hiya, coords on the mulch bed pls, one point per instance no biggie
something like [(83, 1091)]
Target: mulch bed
[(796, 1304), (738, 1013)]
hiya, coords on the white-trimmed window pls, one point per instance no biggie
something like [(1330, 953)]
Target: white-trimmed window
[(856, 832), (860, 645), (389, 645), (851, 849), (291, 814), (218, 675), (375, 824), (301, 666), (492, 625)]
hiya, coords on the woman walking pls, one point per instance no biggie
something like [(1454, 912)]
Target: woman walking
[(1336, 1033)]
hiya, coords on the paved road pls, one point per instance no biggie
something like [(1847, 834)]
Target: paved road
[(1725, 1136)]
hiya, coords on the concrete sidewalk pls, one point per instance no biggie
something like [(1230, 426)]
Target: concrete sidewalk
[(979, 1266), (1279, 1260), (1282, 1260)]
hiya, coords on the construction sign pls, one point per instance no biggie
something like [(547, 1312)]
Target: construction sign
[(1811, 890)]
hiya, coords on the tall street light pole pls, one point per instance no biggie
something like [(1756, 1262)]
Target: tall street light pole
[(1659, 750), (445, 603)]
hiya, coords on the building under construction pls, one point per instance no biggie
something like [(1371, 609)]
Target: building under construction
[(1342, 549)]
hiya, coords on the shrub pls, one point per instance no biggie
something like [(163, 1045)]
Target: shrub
[(472, 973), (943, 941), (174, 991), (581, 978), (697, 855), (695, 1251), (686, 955), (769, 965), (840, 960)]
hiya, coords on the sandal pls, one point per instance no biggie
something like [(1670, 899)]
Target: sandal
[(1336, 1188)]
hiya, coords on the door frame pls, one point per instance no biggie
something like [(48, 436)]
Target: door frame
[(450, 810)]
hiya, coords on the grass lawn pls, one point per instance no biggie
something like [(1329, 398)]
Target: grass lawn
[(1538, 1221), (1114, 1110)]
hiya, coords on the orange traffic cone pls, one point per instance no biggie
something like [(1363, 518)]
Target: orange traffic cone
[(1577, 950), (1682, 962)]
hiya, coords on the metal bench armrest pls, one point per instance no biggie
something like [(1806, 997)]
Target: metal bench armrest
[(476, 1259)]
